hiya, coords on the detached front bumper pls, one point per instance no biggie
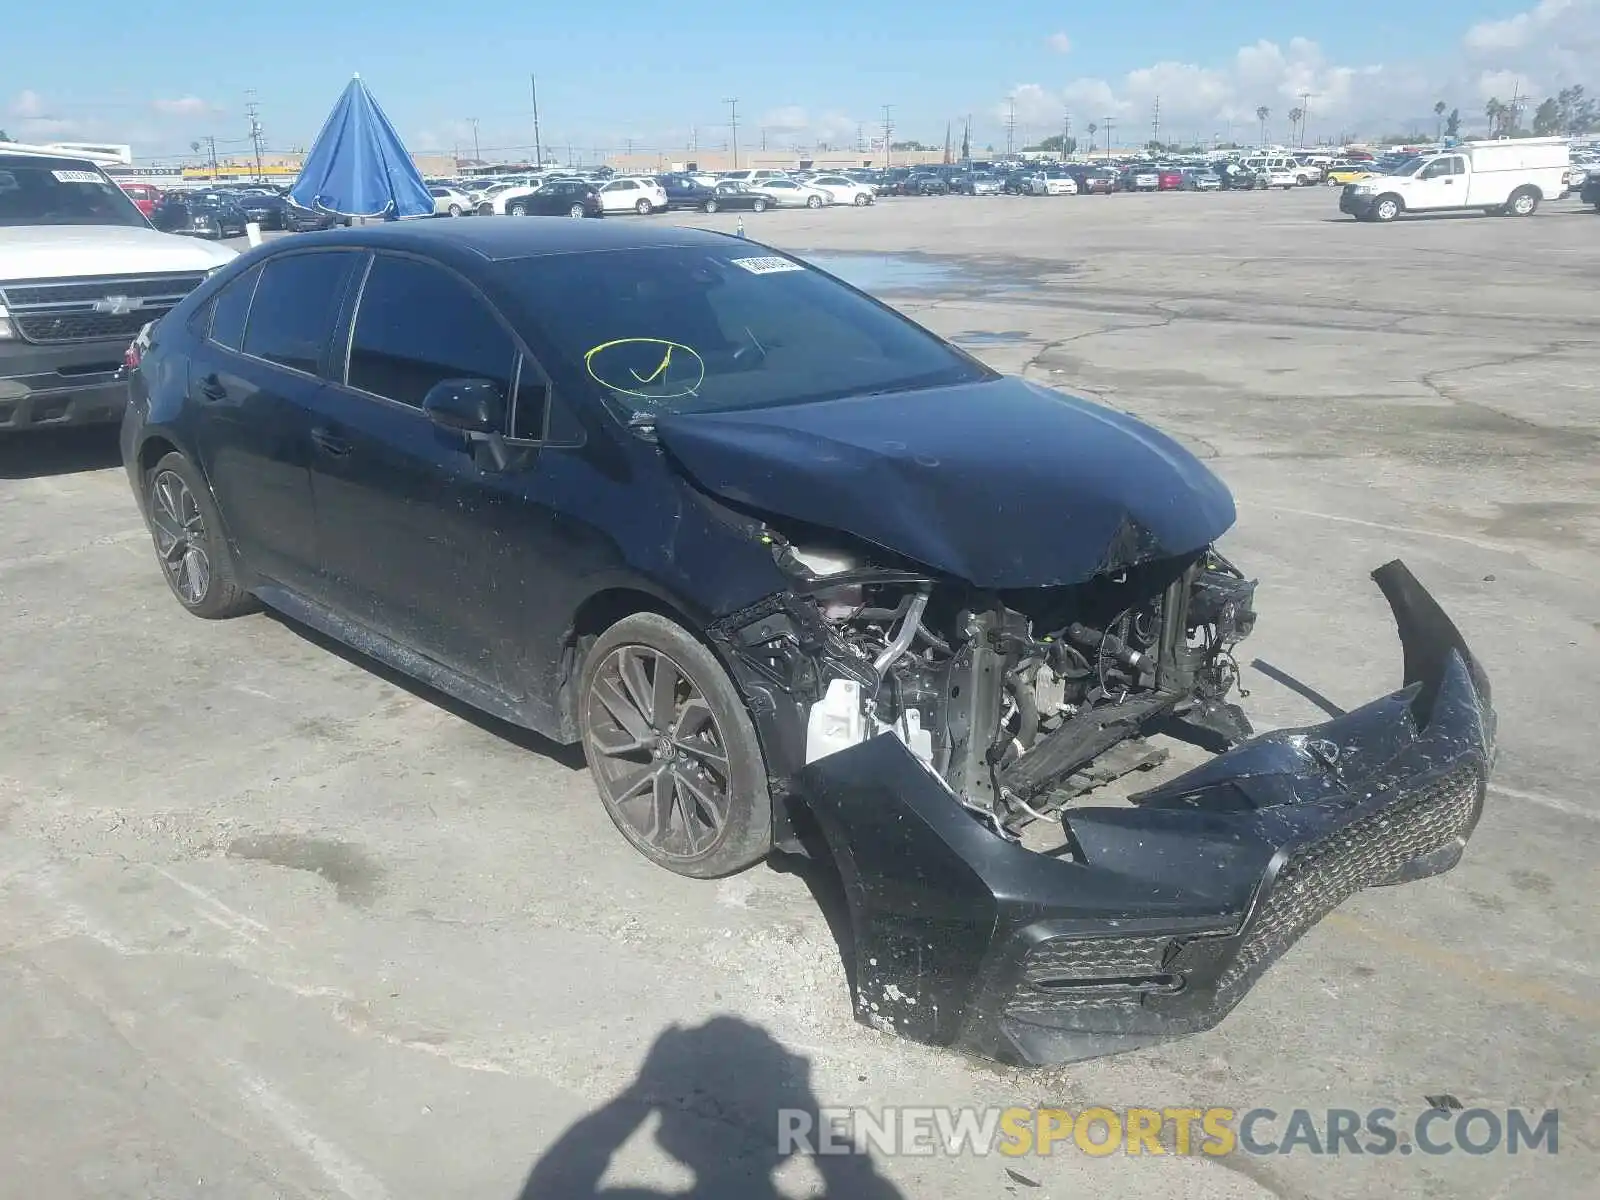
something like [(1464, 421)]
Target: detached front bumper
[(1169, 910)]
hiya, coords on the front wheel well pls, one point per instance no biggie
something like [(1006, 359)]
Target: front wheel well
[(594, 616)]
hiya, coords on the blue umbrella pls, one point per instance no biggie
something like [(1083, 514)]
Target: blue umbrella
[(358, 167)]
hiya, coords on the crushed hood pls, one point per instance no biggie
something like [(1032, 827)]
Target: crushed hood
[(1003, 483)]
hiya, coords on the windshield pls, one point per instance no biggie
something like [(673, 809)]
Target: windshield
[(61, 192), (681, 329), (1404, 166)]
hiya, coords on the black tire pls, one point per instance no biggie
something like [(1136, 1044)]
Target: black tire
[(862, 200), (709, 206), (519, 209), (575, 211), (455, 210), (1524, 202), (642, 208), (168, 508), (1386, 209), (813, 201), (758, 206), (723, 730)]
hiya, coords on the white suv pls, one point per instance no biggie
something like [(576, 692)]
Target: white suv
[(81, 273), (633, 194)]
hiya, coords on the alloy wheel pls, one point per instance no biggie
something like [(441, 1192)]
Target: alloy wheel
[(658, 752), (180, 536)]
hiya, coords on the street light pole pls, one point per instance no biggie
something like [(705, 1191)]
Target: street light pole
[(1108, 139), (733, 129), (888, 130), (477, 155), (538, 150)]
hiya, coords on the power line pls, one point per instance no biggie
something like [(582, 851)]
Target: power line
[(733, 128), (533, 90), (253, 110)]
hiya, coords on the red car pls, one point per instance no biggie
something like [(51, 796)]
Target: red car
[(1171, 179), (145, 196)]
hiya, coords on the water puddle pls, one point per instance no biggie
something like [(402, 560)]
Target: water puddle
[(990, 337), (887, 272)]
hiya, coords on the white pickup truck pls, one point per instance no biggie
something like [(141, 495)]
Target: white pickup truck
[(1508, 176), (81, 272)]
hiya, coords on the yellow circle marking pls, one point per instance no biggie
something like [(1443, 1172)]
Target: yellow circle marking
[(669, 350)]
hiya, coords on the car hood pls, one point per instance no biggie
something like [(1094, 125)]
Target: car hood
[(1003, 483), (62, 251)]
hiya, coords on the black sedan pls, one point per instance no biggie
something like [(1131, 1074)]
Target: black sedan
[(761, 545), (269, 212), (199, 214)]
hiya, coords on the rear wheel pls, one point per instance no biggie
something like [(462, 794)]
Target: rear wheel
[(1523, 203), (709, 206), (813, 201), (575, 211), (758, 206), (518, 209), (673, 750), (862, 199), (642, 208), (195, 558)]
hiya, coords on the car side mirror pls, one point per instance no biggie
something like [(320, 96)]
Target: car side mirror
[(466, 405)]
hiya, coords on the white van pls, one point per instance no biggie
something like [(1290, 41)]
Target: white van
[(1508, 176)]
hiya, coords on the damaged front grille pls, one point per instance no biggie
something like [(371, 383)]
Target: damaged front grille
[(1062, 973), (1323, 874)]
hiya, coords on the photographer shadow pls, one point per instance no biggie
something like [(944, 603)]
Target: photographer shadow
[(723, 1093)]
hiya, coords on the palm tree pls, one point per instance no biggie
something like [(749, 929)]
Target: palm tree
[(1296, 115), (1438, 111), (1262, 114), (1496, 112)]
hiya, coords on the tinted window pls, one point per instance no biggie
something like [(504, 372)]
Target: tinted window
[(419, 324), (51, 191), (296, 304), (694, 329), (230, 307)]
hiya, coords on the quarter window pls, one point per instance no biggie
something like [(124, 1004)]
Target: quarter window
[(417, 325), (295, 306)]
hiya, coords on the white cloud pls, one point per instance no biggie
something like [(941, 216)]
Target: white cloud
[(1533, 53), (1060, 43), (792, 123), (26, 105), (1513, 33), (184, 106)]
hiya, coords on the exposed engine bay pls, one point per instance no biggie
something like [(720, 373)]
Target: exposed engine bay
[(1019, 700)]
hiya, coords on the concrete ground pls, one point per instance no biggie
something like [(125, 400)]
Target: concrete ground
[(275, 924)]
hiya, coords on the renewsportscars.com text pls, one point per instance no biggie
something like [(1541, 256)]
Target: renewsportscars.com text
[(1099, 1131)]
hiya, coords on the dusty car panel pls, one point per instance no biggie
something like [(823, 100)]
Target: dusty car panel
[(935, 476)]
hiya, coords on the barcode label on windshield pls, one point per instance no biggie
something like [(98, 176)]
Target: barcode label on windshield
[(76, 176), (770, 265)]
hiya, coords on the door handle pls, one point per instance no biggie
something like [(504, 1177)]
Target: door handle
[(211, 388), (329, 444)]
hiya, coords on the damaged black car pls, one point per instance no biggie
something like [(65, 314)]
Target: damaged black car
[(800, 575)]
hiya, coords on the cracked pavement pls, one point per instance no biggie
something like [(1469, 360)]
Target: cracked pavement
[(275, 924)]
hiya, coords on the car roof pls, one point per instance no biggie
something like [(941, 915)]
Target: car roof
[(498, 239)]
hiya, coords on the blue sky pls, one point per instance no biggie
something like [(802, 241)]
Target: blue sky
[(808, 71)]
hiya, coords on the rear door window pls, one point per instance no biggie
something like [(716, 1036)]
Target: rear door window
[(295, 307), (229, 309)]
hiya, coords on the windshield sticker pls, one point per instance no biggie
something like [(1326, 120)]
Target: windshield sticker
[(76, 176), (648, 368), (770, 265)]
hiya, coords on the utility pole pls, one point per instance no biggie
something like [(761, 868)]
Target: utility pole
[(1108, 137), (211, 144), (1155, 122), (477, 155), (733, 129), (1066, 134), (888, 131), (763, 139), (538, 149), (1305, 111), (1011, 125), (253, 110)]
